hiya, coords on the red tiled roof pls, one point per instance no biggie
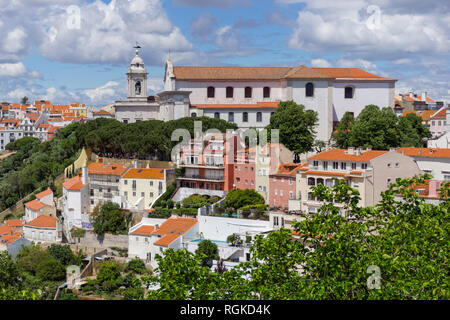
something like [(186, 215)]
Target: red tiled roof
[(349, 73), (6, 230), (35, 205), (44, 193), (172, 228), (149, 173), (74, 184), (43, 222), (342, 154), (144, 230), (14, 223), (107, 169), (425, 152), (11, 238)]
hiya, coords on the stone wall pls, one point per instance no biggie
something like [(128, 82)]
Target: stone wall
[(92, 242)]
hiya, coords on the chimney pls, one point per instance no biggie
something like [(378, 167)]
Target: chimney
[(411, 95), (135, 163), (424, 96), (156, 227), (351, 150), (84, 175)]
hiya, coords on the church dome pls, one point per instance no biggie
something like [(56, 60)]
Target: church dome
[(137, 64)]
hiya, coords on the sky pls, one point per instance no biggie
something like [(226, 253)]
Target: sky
[(79, 50)]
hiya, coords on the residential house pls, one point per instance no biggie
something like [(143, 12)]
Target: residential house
[(75, 202), (282, 185), (43, 205), (43, 229), (433, 161), (368, 171)]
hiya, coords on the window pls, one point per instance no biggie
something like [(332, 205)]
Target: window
[(349, 92), (335, 165), (151, 194), (216, 115), (291, 195), (315, 163), (246, 181), (92, 192), (211, 92), (134, 184), (248, 92), (274, 179), (231, 116), (142, 194), (230, 92), (309, 89), (388, 182), (310, 196), (319, 181), (389, 165), (238, 179), (364, 166), (353, 165), (125, 182), (311, 182), (325, 165), (193, 115), (138, 88), (281, 192), (432, 123), (291, 181), (151, 183), (134, 194), (397, 164), (259, 117), (343, 165), (266, 92), (275, 221), (245, 117), (125, 193), (276, 191)]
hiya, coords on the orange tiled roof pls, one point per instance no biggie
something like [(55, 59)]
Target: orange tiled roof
[(289, 169), (144, 230), (151, 173), (35, 205), (11, 238), (110, 169), (6, 230), (74, 184), (426, 152), (342, 155), (270, 73), (172, 228), (43, 222), (44, 193), (349, 73), (102, 112), (14, 223), (441, 114)]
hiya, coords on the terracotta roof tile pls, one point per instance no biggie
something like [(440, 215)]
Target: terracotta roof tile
[(107, 169), (14, 223), (172, 228), (74, 184), (43, 222), (144, 230), (425, 152), (35, 205), (349, 73), (44, 193), (151, 173), (6, 230)]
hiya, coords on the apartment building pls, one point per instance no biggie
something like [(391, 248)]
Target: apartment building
[(104, 182), (145, 185), (76, 202), (282, 185), (368, 171), (435, 161)]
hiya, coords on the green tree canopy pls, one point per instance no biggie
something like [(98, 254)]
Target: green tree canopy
[(380, 129), (110, 219), (207, 250), (296, 126), (238, 198)]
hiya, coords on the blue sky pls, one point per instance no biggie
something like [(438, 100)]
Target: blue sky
[(47, 54)]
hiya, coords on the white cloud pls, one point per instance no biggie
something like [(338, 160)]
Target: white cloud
[(103, 93), (12, 69), (320, 63)]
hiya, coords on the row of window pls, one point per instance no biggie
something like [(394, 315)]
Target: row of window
[(337, 165), (229, 92), (349, 91), (291, 194), (231, 116), (151, 194), (125, 182)]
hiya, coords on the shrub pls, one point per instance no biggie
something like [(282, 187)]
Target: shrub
[(208, 250), (51, 269), (238, 198), (136, 266)]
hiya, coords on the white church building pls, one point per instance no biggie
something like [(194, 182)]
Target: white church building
[(248, 96)]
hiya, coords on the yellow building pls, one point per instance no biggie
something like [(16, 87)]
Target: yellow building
[(145, 183), (78, 109)]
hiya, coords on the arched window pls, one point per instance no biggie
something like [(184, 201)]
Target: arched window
[(311, 182), (211, 92), (349, 91), (231, 116), (309, 89), (248, 92), (137, 88), (216, 115), (320, 181), (230, 92), (193, 115), (245, 117), (266, 92), (259, 117)]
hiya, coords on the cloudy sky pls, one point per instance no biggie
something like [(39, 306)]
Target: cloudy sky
[(79, 50)]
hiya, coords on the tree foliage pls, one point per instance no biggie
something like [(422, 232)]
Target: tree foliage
[(397, 249), (110, 219), (238, 198), (380, 129), (207, 250), (296, 126)]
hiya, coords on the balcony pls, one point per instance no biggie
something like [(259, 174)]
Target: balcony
[(202, 165), (199, 177)]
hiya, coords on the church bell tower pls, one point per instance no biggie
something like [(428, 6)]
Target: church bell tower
[(137, 78)]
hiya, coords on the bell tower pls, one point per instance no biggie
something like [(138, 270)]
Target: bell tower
[(137, 78)]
